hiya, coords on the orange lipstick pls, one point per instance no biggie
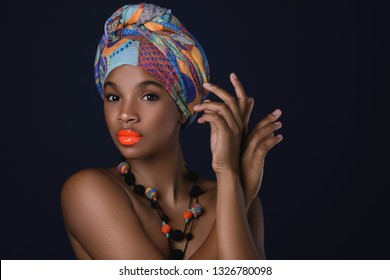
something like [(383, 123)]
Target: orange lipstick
[(128, 137)]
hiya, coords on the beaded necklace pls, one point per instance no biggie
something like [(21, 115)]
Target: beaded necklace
[(194, 210)]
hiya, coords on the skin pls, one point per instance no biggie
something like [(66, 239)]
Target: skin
[(105, 219)]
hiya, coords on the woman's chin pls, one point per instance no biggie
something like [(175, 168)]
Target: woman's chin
[(134, 152)]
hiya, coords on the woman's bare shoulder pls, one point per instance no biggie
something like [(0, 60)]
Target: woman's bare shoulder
[(87, 189), (91, 180), (88, 175), (86, 185), (99, 215)]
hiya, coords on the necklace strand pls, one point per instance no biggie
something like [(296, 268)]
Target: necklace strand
[(193, 211)]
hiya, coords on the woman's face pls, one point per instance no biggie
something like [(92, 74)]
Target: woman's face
[(137, 106)]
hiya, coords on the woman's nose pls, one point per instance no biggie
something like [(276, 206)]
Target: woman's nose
[(128, 113)]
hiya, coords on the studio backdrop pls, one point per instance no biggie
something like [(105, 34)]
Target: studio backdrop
[(325, 189)]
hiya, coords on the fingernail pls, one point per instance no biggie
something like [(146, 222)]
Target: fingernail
[(196, 107), (280, 136), (234, 76), (276, 112), (207, 84)]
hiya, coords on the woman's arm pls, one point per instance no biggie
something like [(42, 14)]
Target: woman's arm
[(256, 223), (239, 215), (234, 238), (101, 218)]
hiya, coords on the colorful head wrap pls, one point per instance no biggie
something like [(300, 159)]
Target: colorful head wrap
[(150, 37)]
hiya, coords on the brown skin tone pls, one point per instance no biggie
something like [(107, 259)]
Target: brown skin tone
[(106, 220)]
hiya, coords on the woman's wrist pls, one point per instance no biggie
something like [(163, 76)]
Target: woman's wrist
[(231, 173)]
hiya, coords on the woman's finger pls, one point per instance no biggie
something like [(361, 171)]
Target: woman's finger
[(261, 150), (259, 135), (227, 98), (270, 118), (223, 110), (265, 146), (247, 114), (207, 111), (215, 119), (242, 98)]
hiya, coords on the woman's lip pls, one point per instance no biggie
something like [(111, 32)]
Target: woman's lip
[(128, 140), (128, 137), (128, 133)]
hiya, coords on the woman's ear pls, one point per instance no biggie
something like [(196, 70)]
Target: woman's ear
[(182, 119)]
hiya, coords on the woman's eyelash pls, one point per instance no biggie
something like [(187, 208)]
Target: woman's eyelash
[(109, 97), (150, 97), (147, 97)]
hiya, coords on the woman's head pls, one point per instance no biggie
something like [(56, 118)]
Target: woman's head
[(151, 38)]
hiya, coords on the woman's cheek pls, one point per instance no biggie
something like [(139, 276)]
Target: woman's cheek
[(165, 123), (111, 121)]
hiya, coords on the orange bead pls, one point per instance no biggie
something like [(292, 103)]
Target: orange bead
[(187, 215), (166, 228)]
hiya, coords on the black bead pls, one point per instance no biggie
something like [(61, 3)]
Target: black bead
[(139, 189), (123, 158), (196, 191), (189, 236), (153, 204), (177, 235), (164, 218), (177, 254), (130, 179), (193, 176)]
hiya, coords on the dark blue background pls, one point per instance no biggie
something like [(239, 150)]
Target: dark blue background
[(325, 191)]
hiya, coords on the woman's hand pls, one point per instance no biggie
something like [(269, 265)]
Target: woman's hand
[(255, 147), (226, 129), (241, 237), (256, 144)]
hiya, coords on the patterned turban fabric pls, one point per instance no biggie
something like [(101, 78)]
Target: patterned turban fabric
[(150, 37)]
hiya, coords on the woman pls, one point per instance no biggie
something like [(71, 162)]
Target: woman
[(153, 76)]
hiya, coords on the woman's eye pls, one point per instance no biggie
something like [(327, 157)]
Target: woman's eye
[(150, 97), (111, 97)]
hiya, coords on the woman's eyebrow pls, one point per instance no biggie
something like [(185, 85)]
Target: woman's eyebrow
[(139, 85), (111, 84)]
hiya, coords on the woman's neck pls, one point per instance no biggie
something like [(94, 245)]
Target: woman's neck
[(165, 172)]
